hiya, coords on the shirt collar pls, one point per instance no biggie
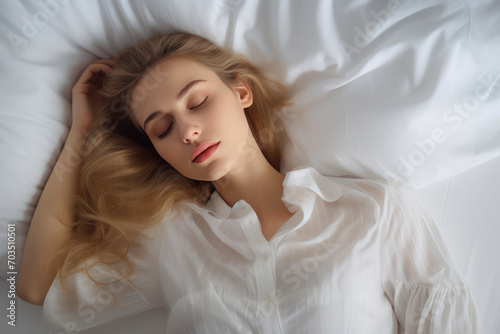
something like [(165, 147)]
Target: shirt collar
[(299, 187)]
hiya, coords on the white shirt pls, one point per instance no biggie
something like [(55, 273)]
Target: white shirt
[(357, 256)]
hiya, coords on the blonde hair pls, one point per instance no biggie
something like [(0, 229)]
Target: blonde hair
[(125, 186)]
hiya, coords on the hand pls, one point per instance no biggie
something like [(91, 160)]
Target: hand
[(85, 93)]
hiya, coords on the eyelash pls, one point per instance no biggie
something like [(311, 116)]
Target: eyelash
[(164, 134), (199, 105)]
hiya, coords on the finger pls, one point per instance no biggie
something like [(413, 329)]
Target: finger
[(108, 61), (92, 70)]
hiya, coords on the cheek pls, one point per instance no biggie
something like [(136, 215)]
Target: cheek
[(229, 117), (168, 152)]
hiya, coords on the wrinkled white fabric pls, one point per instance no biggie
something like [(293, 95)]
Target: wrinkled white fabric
[(357, 256)]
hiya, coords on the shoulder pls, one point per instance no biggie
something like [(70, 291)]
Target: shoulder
[(380, 195), (309, 177), (375, 193)]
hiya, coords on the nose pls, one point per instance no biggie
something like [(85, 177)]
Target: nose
[(190, 132)]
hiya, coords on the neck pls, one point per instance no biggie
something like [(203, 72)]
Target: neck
[(255, 181)]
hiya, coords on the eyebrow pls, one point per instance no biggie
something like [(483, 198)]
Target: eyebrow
[(179, 96)]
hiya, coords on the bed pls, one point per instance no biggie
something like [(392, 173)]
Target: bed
[(401, 90)]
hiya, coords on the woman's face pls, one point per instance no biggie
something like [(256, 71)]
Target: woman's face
[(195, 122)]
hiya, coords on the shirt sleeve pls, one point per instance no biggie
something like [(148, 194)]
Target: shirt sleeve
[(89, 304), (419, 276)]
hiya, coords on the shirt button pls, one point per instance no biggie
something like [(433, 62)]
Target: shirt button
[(267, 306), (268, 302)]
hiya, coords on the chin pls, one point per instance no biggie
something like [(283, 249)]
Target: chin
[(211, 172), (221, 168), (217, 174)]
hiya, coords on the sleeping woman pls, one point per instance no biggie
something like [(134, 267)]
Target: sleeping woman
[(168, 193)]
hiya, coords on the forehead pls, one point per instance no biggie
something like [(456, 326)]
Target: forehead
[(164, 80), (171, 74)]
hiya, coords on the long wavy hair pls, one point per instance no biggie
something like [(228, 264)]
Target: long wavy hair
[(125, 186)]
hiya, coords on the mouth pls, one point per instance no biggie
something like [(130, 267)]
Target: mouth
[(204, 151)]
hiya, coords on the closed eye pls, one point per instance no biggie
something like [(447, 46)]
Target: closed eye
[(199, 105), (164, 134)]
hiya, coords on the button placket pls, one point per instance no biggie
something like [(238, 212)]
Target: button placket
[(267, 319), (264, 268)]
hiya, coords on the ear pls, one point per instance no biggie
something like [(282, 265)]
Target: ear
[(244, 93)]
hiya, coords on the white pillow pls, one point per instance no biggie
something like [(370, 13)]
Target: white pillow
[(375, 83), (407, 91)]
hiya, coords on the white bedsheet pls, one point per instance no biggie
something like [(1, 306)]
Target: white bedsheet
[(466, 208), (397, 89)]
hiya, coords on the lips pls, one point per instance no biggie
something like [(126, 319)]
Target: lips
[(204, 151)]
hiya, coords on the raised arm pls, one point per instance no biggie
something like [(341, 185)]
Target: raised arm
[(51, 223)]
